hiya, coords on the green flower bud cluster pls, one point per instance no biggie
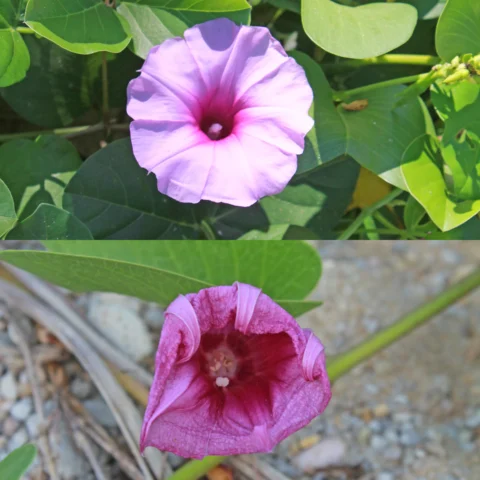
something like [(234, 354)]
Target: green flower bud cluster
[(460, 68)]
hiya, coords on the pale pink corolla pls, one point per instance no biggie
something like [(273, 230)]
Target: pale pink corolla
[(220, 114), (234, 374)]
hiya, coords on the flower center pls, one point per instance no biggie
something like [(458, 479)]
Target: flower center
[(221, 365), (216, 128)]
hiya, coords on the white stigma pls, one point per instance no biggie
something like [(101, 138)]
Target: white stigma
[(222, 381), (215, 131)]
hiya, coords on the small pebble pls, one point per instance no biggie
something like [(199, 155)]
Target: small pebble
[(381, 410), (473, 421), (410, 437), (330, 451), (378, 442), (19, 438), (81, 388), (385, 476), (393, 452), (10, 426), (21, 410), (101, 412), (32, 424), (8, 387)]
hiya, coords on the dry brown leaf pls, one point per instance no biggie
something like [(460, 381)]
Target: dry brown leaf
[(220, 473)]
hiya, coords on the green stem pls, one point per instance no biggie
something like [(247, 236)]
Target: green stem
[(366, 212), (25, 30), (275, 17), (343, 363), (105, 107), (390, 59), (386, 223), (69, 132), (207, 230), (344, 94)]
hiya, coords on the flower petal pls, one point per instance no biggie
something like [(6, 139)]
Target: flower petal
[(149, 100), (172, 66)]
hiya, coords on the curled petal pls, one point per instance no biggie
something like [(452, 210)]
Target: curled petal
[(247, 297), (182, 310), (312, 351)]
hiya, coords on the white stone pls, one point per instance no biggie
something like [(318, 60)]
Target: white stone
[(8, 387), (21, 410), (324, 454), (100, 411), (81, 388), (123, 326)]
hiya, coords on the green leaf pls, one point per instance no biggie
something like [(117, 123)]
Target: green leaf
[(358, 32), (37, 171), (153, 21), (54, 93), (468, 231), (81, 26), (159, 271), (422, 167), (8, 217), (462, 158), (413, 214), (14, 56), (375, 137), (457, 30), (13, 466), (116, 199), (316, 201), (229, 222), (50, 223), (275, 232)]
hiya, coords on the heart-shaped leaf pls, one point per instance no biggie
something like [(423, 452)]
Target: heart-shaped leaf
[(153, 21), (358, 32), (116, 199), (48, 222), (457, 30), (80, 26), (287, 271)]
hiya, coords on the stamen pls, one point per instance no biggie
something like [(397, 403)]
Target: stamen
[(222, 381)]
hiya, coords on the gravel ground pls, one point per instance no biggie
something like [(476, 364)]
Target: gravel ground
[(411, 413)]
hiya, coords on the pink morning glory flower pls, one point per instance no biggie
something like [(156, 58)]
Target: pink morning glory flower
[(220, 114), (234, 374)]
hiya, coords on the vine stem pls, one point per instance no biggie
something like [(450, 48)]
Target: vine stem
[(366, 212), (389, 59), (105, 107), (69, 132), (25, 30), (344, 94), (343, 363)]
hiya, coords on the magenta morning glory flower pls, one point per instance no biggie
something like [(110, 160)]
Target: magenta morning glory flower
[(234, 374), (220, 114)]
